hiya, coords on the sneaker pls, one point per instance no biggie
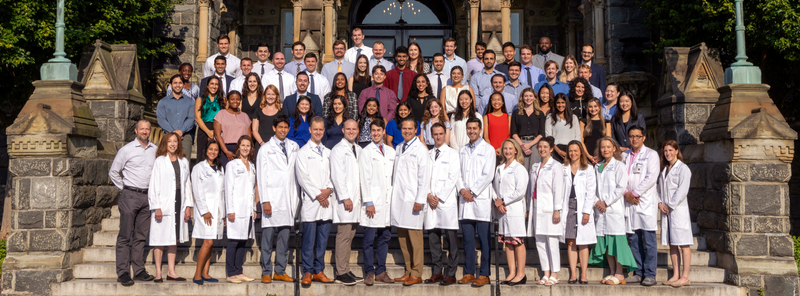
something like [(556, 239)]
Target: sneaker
[(346, 279), (143, 276), (648, 281), (634, 279), (358, 279), (125, 280)]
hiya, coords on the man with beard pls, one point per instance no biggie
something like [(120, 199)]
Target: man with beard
[(545, 54)]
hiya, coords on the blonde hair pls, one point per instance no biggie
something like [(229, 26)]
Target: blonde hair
[(563, 77), (274, 90), (521, 104), (587, 130), (617, 154), (518, 156)]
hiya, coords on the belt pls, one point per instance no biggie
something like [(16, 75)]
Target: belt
[(527, 138), (134, 189)]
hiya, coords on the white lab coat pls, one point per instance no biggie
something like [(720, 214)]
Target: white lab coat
[(314, 175), (611, 184), (208, 188), (676, 227), (477, 171), (412, 178), (445, 172), (642, 178), (548, 182), (511, 184), (276, 183), (375, 173), (585, 184), (344, 175), (161, 195), (240, 193)]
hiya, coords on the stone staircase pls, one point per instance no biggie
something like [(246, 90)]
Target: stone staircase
[(97, 275)]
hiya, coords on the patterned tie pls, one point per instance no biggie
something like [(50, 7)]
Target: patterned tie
[(437, 154), (319, 150), (439, 88), (298, 68), (283, 148), (358, 53), (528, 75), (280, 82), (381, 147), (354, 152), (400, 89), (339, 70), (311, 90)]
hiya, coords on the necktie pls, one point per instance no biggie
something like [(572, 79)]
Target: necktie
[(358, 53), (354, 151), (319, 150), (400, 89), (437, 154), (404, 147), (280, 82), (381, 147), (298, 68), (283, 149), (262, 69), (312, 90), (439, 88), (222, 84), (378, 94), (544, 58), (339, 70), (528, 75)]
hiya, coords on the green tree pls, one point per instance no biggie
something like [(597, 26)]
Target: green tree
[(27, 37), (772, 34)]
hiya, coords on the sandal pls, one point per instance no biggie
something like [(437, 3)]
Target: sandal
[(551, 281), (612, 281), (606, 279), (543, 280)]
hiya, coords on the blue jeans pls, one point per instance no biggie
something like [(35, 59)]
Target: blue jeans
[(281, 252), (468, 228), (643, 244), (315, 240), (383, 235)]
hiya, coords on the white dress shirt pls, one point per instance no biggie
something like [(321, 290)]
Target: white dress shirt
[(232, 64), (258, 66), (351, 54), (238, 83), (288, 82), (321, 87), (383, 62), (434, 78)]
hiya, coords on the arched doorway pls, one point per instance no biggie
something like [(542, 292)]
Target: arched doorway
[(400, 22)]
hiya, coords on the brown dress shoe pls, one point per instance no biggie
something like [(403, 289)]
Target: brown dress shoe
[(266, 279), (320, 277), (466, 279), (384, 277), (434, 279), (411, 280), (448, 280), (370, 279), (283, 277), (482, 280), (307, 277), (402, 278)]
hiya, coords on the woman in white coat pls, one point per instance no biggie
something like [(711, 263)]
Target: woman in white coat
[(511, 183), (241, 197), (209, 208), (676, 226), (579, 196), (612, 244), (170, 199), (544, 220)]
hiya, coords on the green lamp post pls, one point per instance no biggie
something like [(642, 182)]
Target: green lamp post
[(742, 71), (59, 67)]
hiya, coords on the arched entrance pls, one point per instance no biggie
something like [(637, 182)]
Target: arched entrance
[(400, 22)]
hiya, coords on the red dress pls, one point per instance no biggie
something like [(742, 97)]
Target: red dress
[(498, 128)]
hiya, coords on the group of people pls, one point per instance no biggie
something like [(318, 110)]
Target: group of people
[(375, 145)]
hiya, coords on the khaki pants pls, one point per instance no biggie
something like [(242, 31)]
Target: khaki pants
[(412, 244), (344, 239)]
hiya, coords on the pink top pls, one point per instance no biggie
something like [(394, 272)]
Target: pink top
[(233, 125)]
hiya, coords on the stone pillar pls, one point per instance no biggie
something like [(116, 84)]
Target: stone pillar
[(327, 45), (505, 15), (232, 36), (296, 17), (740, 191), (599, 31), (202, 44), (474, 29)]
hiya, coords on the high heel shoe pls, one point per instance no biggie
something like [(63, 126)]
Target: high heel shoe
[(520, 282)]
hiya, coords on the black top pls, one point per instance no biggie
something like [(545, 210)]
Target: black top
[(579, 108), (265, 124), (591, 140), (358, 87), (251, 110), (527, 125), (176, 165), (418, 106), (620, 129), (572, 188)]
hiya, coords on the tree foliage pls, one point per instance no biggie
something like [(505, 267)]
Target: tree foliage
[(772, 34), (27, 37)]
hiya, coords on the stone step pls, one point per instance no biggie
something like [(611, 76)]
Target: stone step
[(595, 274), (111, 287), (395, 256), (114, 211)]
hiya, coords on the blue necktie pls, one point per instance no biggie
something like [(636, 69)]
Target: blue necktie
[(319, 150), (312, 84), (378, 94), (400, 89), (358, 53), (528, 75)]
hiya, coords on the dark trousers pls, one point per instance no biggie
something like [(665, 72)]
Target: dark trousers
[(234, 257), (315, 241), (469, 228), (643, 246), (383, 235), (281, 250), (202, 141), (134, 228), (435, 243), (224, 158)]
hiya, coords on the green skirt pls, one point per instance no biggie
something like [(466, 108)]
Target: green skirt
[(617, 246)]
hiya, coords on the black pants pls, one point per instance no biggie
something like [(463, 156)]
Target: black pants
[(202, 142), (234, 257), (435, 243), (134, 228)]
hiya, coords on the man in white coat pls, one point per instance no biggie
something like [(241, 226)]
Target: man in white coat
[(641, 203), (442, 217), (313, 171), (344, 173), (279, 201), (475, 192), (412, 178), (375, 172)]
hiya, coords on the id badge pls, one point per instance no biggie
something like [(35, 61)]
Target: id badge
[(637, 168)]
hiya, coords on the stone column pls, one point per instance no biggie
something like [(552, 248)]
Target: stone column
[(474, 32), (327, 45), (202, 44), (296, 17), (599, 31), (505, 15), (232, 36)]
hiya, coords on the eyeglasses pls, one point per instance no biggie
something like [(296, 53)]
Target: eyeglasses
[(636, 137)]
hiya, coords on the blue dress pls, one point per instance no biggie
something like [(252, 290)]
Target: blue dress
[(393, 130), (333, 134), (299, 135)]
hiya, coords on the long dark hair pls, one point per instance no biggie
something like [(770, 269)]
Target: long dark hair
[(397, 117), (414, 92), (310, 113), (217, 163), (420, 66), (361, 77), (362, 118), (331, 114), (333, 83), (634, 110), (567, 110), (206, 92), (490, 108), (250, 156), (259, 88), (587, 89), (459, 115)]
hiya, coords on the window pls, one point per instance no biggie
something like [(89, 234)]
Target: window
[(287, 32), (516, 30)]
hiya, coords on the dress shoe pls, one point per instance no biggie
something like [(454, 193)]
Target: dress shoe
[(266, 279), (245, 278), (143, 276), (234, 280), (402, 278), (448, 280), (175, 279), (480, 281), (520, 282), (412, 280), (307, 277), (320, 277), (283, 277), (370, 280), (466, 279), (434, 279), (125, 280), (384, 277)]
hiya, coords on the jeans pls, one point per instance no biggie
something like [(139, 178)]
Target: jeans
[(383, 235), (281, 252), (643, 244), (468, 228), (315, 241)]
